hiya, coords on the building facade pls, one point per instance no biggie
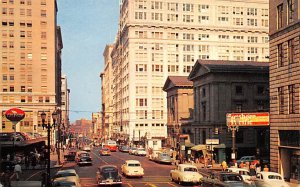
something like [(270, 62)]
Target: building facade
[(157, 39), (30, 62), (222, 87), (108, 128), (65, 102), (284, 87), (180, 106)]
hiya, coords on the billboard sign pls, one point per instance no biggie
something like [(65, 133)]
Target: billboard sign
[(15, 114), (248, 119)]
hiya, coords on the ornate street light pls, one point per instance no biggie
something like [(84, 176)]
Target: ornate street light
[(48, 126)]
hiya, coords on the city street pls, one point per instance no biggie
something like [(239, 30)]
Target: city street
[(155, 174)]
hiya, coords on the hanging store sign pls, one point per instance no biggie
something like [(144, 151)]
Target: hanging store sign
[(15, 114), (248, 119)]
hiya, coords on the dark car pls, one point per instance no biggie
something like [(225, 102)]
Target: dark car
[(108, 175), (71, 155), (223, 178), (124, 149)]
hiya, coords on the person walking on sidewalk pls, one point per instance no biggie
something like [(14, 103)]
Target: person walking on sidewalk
[(18, 171)]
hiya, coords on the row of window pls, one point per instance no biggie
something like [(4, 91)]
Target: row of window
[(12, 89), (143, 114), (23, 2), (190, 7), (287, 52), (146, 125), (192, 36), (156, 102), (203, 19), (24, 99), (288, 99), (291, 15), (23, 12)]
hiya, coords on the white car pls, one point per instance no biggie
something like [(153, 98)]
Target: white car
[(186, 173), (140, 152), (67, 173), (132, 168), (86, 148), (65, 181), (243, 172), (269, 179)]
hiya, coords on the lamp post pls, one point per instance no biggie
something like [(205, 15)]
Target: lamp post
[(48, 126), (55, 117)]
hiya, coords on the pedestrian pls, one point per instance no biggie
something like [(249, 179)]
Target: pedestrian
[(8, 157), (224, 165), (242, 165), (33, 161), (18, 171), (266, 168), (258, 167), (252, 171)]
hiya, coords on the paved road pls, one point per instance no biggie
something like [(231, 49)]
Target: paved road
[(155, 174)]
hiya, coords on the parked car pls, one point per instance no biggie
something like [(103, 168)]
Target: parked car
[(132, 168), (224, 179), (104, 151), (186, 173), (108, 175), (140, 152), (131, 150), (67, 173), (245, 159), (65, 182), (71, 155), (163, 158), (269, 179)]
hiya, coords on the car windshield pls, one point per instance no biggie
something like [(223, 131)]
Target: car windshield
[(134, 165), (276, 177), (64, 175), (64, 184), (190, 169), (232, 178), (84, 155)]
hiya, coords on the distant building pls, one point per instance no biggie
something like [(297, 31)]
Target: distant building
[(180, 103), (157, 39), (97, 125), (222, 87), (285, 87), (65, 101), (85, 126), (30, 63)]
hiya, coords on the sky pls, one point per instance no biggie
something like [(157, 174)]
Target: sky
[(87, 26)]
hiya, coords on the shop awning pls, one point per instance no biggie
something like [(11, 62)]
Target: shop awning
[(220, 146), (199, 147), (189, 144)]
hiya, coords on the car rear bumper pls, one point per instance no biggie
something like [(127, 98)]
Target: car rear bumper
[(105, 183)]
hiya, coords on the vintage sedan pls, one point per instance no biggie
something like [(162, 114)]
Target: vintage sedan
[(104, 151), (132, 168), (224, 179), (66, 182), (163, 158), (71, 155), (186, 173), (243, 172), (270, 179), (108, 175), (67, 173), (140, 152)]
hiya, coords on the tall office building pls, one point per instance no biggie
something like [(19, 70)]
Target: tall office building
[(284, 87), (164, 38), (30, 46)]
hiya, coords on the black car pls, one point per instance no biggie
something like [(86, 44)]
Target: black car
[(108, 175), (84, 160), (224, 178), (71, 155)]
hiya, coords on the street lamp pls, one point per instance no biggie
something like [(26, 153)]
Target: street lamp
[(55, 119), (48, 126)]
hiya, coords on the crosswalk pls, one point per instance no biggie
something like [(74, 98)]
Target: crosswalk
[(146, 181)]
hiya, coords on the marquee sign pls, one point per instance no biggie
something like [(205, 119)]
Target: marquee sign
[(248, 119), (15, 114)]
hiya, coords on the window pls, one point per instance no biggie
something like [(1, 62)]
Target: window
[(41, 99), (281, 100), (140, 15), (203, 92), (157, 114), (23, 89), (173, 68), (291, 51), (292, 99), (279, 16), (238, 90), (29, 12), (43, 35), (203, 106), (238, 107), (43, 2), (188, 7), (11, 88), (141, 67), (291, 10), (23, 100), (280, 55), (43, 13), (47, 99), (141, 102)]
